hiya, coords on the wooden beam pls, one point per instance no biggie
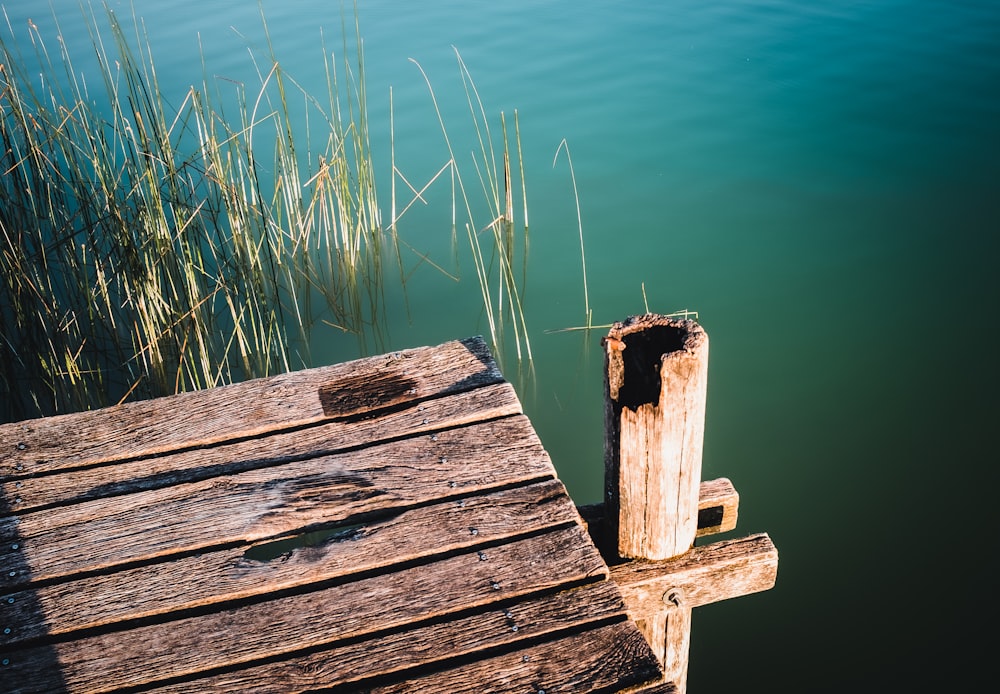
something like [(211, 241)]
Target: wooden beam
[(262, 504), (659, 595), (719, 571), (194, 463)]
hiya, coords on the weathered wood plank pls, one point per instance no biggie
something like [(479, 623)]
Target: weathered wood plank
[(265, 503), (708, 574), (608, 659), (73, 486), (436, 645), (228, 575), (186, 646), (245, 409)]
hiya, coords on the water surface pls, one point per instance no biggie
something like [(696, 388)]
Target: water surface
[(820, 182)]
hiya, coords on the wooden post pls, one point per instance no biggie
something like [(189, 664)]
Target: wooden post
[(656, 379)]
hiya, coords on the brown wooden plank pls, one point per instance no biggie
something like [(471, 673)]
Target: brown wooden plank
[(194, 644), (74, 486), (264, 503), (718, 507), (251, 408), (227, 575), (436, 645), (609, 659), (708, 574)]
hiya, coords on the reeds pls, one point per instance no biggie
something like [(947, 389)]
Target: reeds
[(579, 222), (494, 261), (149, 249)]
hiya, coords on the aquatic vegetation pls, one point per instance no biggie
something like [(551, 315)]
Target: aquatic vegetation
[(149, 249)]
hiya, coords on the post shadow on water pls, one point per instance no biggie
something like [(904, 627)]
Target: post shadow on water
[(19, 605)]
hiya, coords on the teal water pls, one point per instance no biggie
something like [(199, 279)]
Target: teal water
[(820, 182)]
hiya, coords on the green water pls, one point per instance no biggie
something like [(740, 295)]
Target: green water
[(821, 183)]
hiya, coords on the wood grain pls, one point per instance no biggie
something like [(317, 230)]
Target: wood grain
[(352, 610), (259, 504), (228, 575), (396, 656), (244, 409), (388, 524), (607, 659), (82, 484), (719, 571), (655, 388), (718, 510)]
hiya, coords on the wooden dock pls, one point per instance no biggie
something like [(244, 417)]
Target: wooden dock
[(386, 525), (391, 524)]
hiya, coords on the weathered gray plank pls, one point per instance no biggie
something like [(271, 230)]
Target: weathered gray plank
[(226, 575), (612, 658), (251, 408), (264, 503), (76, 485), (195, 644), (427, 646)]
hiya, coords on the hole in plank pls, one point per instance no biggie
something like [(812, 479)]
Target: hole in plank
[(357, 394), (283, 548)]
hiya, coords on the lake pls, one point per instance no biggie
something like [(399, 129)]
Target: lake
[(819, 181)]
